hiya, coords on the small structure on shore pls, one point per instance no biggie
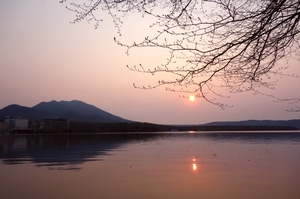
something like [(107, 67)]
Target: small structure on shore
[(11, 124), (17, 123), (58, 125)]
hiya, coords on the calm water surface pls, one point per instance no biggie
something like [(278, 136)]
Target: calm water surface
[(146, 166)]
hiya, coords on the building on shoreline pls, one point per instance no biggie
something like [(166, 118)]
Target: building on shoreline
[(16, 123), (59, 125)]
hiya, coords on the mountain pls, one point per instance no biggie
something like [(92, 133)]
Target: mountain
[(292, 123), (74, 110), (78, 111)]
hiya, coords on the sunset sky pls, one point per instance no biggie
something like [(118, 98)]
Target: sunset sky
[(44, 57)]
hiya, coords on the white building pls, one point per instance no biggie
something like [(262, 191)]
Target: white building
[(17, 123)]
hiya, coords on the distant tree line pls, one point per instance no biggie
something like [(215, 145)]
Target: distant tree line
[(149, 127), (116, 127), (98, 127)]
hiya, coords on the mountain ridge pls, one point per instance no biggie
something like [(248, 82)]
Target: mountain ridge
[(78, 111), (291, 122), (75, 111)]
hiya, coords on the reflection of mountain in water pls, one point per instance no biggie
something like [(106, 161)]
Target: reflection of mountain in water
[(62, 150), (69, 151)]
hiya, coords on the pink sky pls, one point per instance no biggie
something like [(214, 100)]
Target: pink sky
[(43, 57)]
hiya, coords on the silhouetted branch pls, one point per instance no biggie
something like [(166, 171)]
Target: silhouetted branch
[(229, 44)]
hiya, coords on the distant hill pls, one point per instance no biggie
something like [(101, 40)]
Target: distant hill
[(76, 111), (15, 110), (291, 123)]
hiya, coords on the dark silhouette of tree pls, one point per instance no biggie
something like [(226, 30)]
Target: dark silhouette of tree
[(225, 44)]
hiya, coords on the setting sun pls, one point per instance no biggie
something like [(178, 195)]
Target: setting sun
[(191, 97)]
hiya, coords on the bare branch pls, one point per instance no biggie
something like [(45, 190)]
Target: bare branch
[(229, 44)]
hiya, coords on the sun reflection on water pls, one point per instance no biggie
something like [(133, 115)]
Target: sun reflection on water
[(195, 167), (194, 164)]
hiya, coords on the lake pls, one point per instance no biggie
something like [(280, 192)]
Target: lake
[(169, 165)]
